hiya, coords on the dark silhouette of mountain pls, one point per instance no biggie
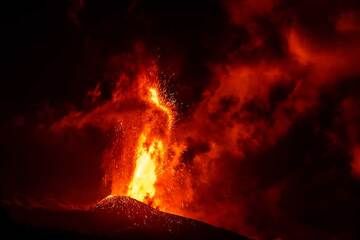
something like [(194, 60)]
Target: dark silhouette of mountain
[(114, 217)]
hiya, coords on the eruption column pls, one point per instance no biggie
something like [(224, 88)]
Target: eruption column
[(150, 151)]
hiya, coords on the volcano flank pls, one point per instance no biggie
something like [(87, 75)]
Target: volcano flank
[(114, 217)]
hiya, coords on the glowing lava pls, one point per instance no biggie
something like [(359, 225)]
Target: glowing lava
[(150, 151), (142, 185), (154, 97)]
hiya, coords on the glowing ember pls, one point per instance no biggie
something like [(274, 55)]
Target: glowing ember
[(154, 97), (150, 152)]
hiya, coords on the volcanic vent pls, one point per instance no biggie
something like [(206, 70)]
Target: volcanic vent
[(137, 216)]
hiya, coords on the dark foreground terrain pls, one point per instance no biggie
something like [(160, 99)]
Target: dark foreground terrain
[(111, 218)]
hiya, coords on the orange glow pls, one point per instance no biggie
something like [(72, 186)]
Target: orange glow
[(255, 98), (154, 97), (150, 152), (142, 185)]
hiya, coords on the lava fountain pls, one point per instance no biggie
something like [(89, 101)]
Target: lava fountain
[(150, 151), (143, 155)]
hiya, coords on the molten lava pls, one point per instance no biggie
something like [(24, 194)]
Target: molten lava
[(150, 151)]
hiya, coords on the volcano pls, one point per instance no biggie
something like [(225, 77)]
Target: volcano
[(114, 217), (191, 116)]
